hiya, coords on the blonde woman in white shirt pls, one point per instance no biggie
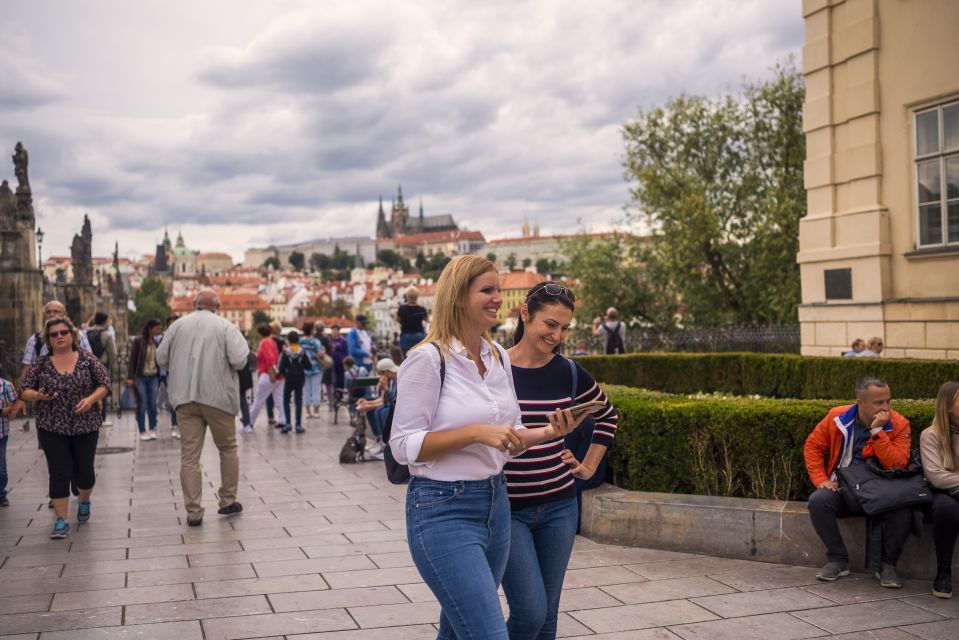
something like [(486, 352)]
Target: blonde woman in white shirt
[(456, 431)]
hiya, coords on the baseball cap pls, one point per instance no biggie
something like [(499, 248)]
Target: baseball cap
[(386, 364)]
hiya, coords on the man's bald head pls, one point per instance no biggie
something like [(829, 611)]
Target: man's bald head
[(207, 299), (54, 309)]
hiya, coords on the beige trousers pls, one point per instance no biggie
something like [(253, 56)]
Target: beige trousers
[(194, 418)]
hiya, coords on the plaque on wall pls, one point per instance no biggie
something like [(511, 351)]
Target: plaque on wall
[(838, 284)]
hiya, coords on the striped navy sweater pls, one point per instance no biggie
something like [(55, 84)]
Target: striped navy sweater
[(538, 475)]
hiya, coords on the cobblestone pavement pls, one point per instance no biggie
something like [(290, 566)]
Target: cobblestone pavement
[(320, 551)]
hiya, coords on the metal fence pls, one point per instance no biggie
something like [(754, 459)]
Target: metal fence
[(748, 338)]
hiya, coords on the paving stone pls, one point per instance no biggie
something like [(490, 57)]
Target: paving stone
[(201, 574), (694, 567), (567, 626), (31, 573), (313, 565), (337, 598), (64, 557), (621, 555), (252, 586), (163, 631), (191, 549), (418, 592), (866, 589), (144, 544), (394, 559), (413, 632), (25, 604), (246, 557), (326, 551), (948, 608), (62, 585), (641, 616), (277, 623), (123, 566), (641, 634), (303, 542), (196, 609), (865, 616), (780, 626), (391, 615), (585, 598), (378, 535), (944, 630), (758, 602), (661, 590), (345, 528), (775, 578), (113, 597), (599, 576), (60, 620), (876, 634), (372, 578)]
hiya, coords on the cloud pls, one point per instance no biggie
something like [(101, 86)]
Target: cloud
[(293, 118)]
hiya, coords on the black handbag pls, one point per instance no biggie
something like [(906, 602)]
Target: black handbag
[(875, 490)]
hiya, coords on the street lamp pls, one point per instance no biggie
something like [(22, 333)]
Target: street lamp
[(40, 247)]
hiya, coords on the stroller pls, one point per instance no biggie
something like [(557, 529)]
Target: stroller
[(354, 449)]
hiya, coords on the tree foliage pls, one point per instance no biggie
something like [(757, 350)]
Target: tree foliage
[(271, 262), (610, 272), (151, 301), (261, 317), (297, 261), (720, 184)]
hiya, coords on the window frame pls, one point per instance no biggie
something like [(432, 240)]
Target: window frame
[(941, 155)]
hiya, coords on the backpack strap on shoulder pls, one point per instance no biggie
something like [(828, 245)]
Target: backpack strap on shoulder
[(442, 363), (572, 392)]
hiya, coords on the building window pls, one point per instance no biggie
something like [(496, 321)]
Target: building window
[(937, 174)]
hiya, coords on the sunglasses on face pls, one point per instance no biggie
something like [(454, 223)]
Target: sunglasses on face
[(553, 289), (58, 334)]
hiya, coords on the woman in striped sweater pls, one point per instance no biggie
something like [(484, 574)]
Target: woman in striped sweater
[(541, 481)]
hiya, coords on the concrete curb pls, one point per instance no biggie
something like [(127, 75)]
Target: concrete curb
[(776, 531)]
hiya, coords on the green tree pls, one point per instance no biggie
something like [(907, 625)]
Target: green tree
[(511, 261), (543, 266), (272, 261), (319, 261), (297, 261), (720, 184), (151, 301), (261, 317), (491, 256), (434, 265), (610, 272), (527, 262)]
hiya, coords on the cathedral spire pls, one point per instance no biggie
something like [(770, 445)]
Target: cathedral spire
[(421, 212), (399, 197)]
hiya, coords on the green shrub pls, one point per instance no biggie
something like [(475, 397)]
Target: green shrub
[(727, 446), (772, 375)]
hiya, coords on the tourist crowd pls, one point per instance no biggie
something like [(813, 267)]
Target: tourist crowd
[(498, 443)]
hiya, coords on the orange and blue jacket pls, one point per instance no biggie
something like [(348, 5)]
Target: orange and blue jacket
[(830, 443)]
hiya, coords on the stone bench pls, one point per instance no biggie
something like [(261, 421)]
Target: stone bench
[(776, 531)]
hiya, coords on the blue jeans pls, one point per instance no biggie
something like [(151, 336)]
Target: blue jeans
[(410, 340), (377, 419), (147, 388), (542, 539), (459, 538), (3, 466)]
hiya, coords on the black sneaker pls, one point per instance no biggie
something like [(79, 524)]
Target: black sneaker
[(4, 502), (231, 509), (942, 585), (194, 523), (888, 577), (832, 571)]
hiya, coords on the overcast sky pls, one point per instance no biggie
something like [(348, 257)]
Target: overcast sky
[(247, 123)]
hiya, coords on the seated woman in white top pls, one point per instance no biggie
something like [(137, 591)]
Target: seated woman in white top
[(456, 430)]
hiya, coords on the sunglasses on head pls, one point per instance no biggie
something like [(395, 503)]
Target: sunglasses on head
[(553, 289), (58, 334)]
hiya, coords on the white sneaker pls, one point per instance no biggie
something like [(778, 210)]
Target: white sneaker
[(107, 423), (175, 433), (246, 429), (144, 436), (153, 434)]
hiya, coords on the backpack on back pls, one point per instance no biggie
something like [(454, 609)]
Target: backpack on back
[(614, 341), (95, 339), (293, 366)]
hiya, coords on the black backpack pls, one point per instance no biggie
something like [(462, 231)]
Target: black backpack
[(293, 367), (96, 342), (614, 341)]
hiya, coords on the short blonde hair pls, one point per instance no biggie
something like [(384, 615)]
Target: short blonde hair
[(874, 342), (450, 307), (75, 335), (411, 294)]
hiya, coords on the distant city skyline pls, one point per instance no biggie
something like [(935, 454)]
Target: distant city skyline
[(288, 120)]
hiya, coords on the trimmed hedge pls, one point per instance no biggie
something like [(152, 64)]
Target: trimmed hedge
[(726, 446), (771, 375)]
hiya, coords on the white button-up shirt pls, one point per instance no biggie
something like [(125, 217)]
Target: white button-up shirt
[(466, 398)]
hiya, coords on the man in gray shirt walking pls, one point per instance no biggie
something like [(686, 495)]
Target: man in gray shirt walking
[(202, 353)]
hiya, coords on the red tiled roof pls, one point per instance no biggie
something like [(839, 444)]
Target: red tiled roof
[(519, 280)]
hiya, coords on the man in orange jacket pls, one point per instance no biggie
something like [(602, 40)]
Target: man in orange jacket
[(847, 436)]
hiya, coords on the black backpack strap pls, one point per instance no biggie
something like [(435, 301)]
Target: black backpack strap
[(442, 364), (572, 393), (37, 344)]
